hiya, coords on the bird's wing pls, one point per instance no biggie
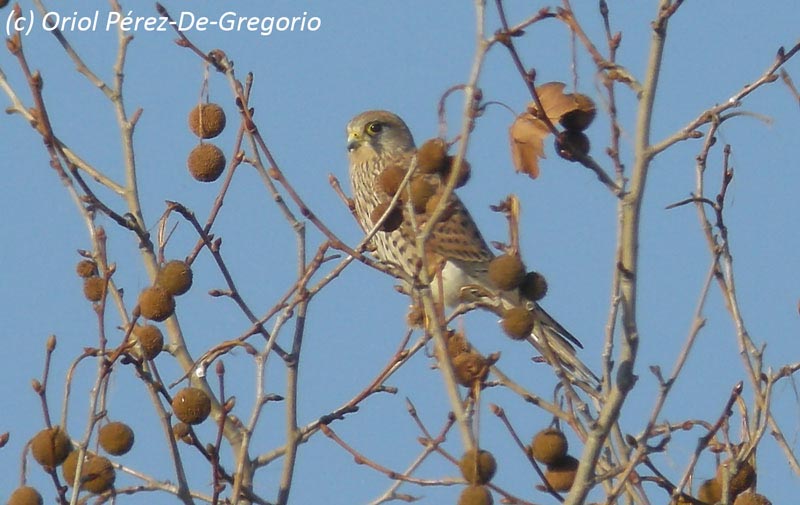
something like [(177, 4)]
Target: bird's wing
[(458, 238)]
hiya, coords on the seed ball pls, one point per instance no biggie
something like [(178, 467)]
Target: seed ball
[(71, 465), (469, 368), (534, 286), (506, 272), (116, 438), (206, 162), (457, 344), (85, 268), (390, 178), (432, 157), (98, 475), (175, 277), (156, 304), (93, 288), (568, 143), (25, 495), (207, 120), (393, 220), (582, 116), (150, 339), (464, 171), (182, 432), (433, 203), (709, 492), (750, 498), (561, 474), (191, 405), (549, 446), (744, 478), (51, 446), (475, 495), (517, 322), (477, 467), (421, 191)]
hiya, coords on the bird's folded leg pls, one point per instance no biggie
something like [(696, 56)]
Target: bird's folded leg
[(480, 295)]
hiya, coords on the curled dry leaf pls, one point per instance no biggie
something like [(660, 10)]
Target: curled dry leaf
[(527, 135), (554, 102)]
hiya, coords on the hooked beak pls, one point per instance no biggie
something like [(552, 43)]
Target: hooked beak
[(354, 140)]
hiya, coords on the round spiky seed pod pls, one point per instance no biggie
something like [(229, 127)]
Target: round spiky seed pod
[(71, 465), (156, 304), (98, 475), (433, 202), (116, 438), (93, 288), (561, 474), (469, 368), (191, 405), (534, 286), (750, 498), (549, 446), (709, 492), (421, 191), (457, 344), (569, 143), (150, 339), (517, 322), (432, 157), (206, 162), (175, 277), (582, 116), (475, 495), (94, 476), (207, 120), (51, 446), (390, 178), (393, 220), (477, 467), (25, 495), (464, 171), (744, 477), (86, 268), (506, 272)]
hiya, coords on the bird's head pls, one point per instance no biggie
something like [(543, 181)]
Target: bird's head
[(378, 132)]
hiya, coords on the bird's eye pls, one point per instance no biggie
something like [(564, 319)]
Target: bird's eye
[(374, 128)]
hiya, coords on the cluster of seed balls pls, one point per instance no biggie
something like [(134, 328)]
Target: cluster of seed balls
[(52, 447), (507, 273), (156, 302), (710, 491), (575, 122), (477, 467), (424, 189), (550, 447), (206, 162)]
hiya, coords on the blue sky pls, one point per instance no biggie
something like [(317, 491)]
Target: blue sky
[(402, 56)]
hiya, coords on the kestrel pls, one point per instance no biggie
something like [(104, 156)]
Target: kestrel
[(380, 139)]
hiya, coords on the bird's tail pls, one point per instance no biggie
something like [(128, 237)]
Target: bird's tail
[(555, 343)]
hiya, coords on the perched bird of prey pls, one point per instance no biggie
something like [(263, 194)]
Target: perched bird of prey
[(379, 139)]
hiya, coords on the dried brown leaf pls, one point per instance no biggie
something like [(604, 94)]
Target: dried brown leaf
[(527, 135), (554, 102)]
